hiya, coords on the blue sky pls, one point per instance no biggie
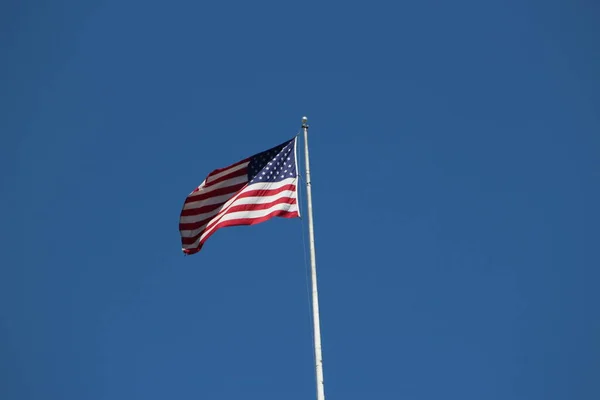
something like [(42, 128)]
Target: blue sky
[(455, 165)]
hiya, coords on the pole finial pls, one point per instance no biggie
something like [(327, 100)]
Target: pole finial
[(304, 121)]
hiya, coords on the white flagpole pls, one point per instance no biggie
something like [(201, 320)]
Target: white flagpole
[(313, 268)]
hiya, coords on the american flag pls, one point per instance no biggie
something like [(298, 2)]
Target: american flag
[(248, 192)]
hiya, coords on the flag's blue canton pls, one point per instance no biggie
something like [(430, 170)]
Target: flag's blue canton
[(273, 165)]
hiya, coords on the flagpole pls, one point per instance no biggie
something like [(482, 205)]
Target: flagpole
[(313, 269)]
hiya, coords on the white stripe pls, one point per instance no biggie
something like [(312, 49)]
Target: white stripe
[(296, 163), (245, 214), (244, 200), (257, 213), (259, 186), (194, 232), (225, 212), (197, 189), (271, 185), (207, 202), (227, 182), (190, 219), (215, 200), (249, 214), (227, 171), (221, 185), (228, 204)]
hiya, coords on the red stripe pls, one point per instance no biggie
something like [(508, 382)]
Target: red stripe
[(249, 207), (265, 192), (234, 174), (264, 206), (188, 226), (243, 221), (218, 170), (195, 225), (217, 192), (203, 209), (242, 207)]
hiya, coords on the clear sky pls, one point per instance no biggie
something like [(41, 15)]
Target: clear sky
[(455, 155)]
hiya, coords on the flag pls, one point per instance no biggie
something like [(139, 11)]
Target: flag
[(248, 192)]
